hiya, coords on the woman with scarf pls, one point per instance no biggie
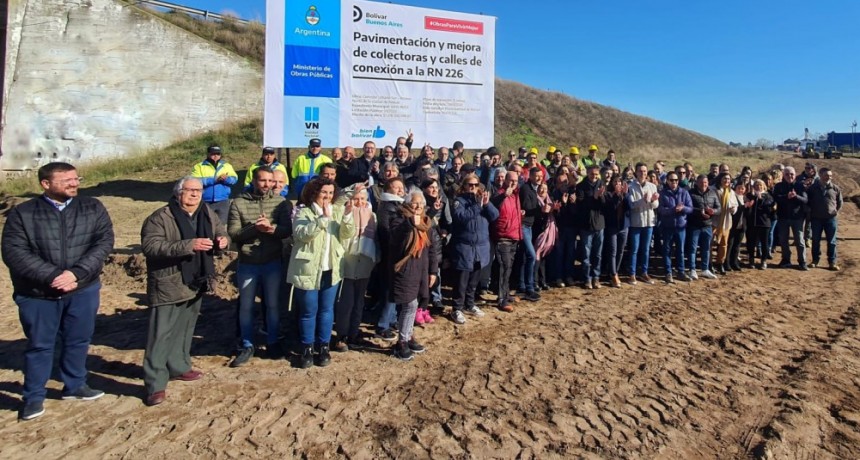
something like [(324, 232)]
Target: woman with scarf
[(415, 252), (729, 204), (361, 255), (320, 230), (736, 233), (178, 241), (547, 233), (439, 212), (470, 244)]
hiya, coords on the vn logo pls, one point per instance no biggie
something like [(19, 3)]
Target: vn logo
[(378, 133), (312, 118)]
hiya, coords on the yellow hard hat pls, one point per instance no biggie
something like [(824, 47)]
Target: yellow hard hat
[(574, 150), (533, 150), (552, 149), (592, 147)]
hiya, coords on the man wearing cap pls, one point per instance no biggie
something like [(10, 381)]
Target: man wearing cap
[(268, 159), (591, 159), (577, 163), (217, 176), (550, 155), (307, 166), (532, 162)]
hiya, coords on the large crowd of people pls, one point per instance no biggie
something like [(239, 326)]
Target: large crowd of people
[(374, 238)]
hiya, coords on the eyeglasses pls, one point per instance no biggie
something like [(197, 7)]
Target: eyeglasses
[(472, 184), (70, 180), (192, 190), (682, 172), (671, 180)]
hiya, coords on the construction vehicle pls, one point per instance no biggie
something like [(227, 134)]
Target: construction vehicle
[(832, 153)]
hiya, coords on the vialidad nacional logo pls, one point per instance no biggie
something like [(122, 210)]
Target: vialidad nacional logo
[(312, 16)]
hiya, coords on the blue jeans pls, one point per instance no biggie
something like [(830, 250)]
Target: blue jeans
[(527, 269), (770, 232), (70, 320), (796, 228), (592, 253), (699, 238), (564, 253), (829, 227), (317, 312), (436, 289), (268, 276), (614, 242), (388, 315), (640, 244), (677, 236)]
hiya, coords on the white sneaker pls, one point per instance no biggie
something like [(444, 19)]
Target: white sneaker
[(693, 275), (707, 274), (458, 317), (474, 311)]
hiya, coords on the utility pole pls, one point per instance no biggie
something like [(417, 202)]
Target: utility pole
[(853, 128)]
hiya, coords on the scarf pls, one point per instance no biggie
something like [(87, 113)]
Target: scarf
[(417, 240), (198, 270), (725, 221), (546, 240)]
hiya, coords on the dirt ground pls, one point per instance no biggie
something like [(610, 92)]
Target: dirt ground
[(754, 364)]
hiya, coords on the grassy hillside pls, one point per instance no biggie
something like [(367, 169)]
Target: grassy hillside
[(524, 115)]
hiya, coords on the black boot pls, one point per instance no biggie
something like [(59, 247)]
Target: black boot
[(324, 358), (402, 351), (306, 360)]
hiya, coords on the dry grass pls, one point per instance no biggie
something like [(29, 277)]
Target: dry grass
[(245, 40), (241, 144)]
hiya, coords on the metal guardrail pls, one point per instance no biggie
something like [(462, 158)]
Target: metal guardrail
[(185, 9)]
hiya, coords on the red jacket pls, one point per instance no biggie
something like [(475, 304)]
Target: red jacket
[(509, 225)]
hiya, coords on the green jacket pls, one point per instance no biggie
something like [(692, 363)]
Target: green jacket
[(164, 249), (256, 247), (309, 235)]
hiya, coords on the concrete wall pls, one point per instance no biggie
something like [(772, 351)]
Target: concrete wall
[(89, 79)]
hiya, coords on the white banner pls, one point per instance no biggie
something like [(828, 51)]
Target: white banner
[(348, 71)]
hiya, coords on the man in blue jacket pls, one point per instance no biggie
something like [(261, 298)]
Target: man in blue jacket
[(55, 247), (675, 206), (217, 176)]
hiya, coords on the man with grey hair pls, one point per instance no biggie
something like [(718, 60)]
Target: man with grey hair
[(178, 241), (790, 197), (825, 202)]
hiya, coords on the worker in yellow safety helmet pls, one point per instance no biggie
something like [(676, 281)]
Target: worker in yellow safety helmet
[(591, 159), (578, 165), (550, 153)]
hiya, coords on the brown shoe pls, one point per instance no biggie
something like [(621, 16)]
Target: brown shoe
[(156, 398), (646, 279), (340, 346), (632, 280), (834, 267), (189, 376), (587, 285), (513, 298), (595, 284), (507, 308), (616, 282)]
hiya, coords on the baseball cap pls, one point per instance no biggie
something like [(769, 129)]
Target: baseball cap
[(315, 143), (214, 149), (268, 151)]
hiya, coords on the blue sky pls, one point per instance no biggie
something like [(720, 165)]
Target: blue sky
[(735, 70)]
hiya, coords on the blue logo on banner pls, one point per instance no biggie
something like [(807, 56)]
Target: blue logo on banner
[(304, 24), (311, 71), (312, 118), (378, 133)]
